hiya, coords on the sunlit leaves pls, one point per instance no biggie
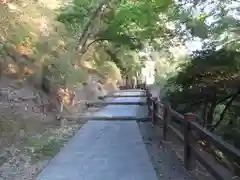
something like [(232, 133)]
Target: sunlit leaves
[(125, 26), (211, 67), (133, 19), (76, 15), (210, 19)]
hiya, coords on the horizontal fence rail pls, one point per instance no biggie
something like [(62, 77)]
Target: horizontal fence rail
[(189, 132), (115, 103), (115, 118), (124, 96)]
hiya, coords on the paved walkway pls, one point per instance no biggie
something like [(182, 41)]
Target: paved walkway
[(121, 110), (104, 150)]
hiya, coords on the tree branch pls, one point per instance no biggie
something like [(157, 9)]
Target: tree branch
[(93, 42), (224, 99), (81, 43)]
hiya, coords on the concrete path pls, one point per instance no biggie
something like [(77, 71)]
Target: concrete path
[(121, 110), (104, 150), (130, 92)]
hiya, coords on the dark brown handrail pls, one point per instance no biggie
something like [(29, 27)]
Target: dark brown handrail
[(191, 130)]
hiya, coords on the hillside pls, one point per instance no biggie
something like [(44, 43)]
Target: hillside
[(37, 58)]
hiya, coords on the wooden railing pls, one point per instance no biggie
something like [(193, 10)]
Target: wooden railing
[(190, 133)]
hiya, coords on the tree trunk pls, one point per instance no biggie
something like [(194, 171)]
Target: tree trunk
[(204, 113), (227, 106), (81, 43), (93, 24), (210, 114)]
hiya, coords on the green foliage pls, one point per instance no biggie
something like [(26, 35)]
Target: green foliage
[(62, 73), (214, 21), (50, 142), (168, 67), (210, 68), (75, 16), (126, 24), (110, 70), (125, 27), (139, 20), (132, 63), (210, 81)]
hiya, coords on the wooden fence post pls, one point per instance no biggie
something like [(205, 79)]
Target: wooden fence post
[(155, 111), (144, 86), (166, 119), (189, 142), (149, 103)]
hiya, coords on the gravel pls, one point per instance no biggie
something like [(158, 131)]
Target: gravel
[(165, 162)]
